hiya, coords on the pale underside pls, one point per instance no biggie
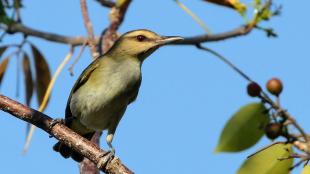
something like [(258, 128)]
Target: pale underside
[(100, 103)]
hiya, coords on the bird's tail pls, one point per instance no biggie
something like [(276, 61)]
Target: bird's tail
[(67, 152)]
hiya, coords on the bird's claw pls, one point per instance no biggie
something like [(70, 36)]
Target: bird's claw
[(105, 158), (54, 122)]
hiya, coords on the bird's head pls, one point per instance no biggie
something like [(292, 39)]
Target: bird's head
[(140, 43)]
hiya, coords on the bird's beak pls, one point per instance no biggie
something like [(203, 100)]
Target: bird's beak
[(168, 39)]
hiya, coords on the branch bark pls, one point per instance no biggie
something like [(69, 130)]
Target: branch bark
[(20, 28), (65, 135), (194, 40), (89, 28), (79, 40), (87, 166), (116, 17)]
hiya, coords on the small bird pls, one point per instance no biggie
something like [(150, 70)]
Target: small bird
[(100, 96)]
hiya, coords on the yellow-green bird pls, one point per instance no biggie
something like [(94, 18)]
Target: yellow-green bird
[(100, 96)]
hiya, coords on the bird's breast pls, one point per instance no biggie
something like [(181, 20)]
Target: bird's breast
[(105, 95)]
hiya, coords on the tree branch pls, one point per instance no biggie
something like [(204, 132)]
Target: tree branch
[(89, 28), (194, 40), (79, 40), (116, 17), (65, 135), (20, 28), (87, 166)]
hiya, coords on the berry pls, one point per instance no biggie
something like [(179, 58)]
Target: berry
[(274, 86), (254, 89), (273, 130)]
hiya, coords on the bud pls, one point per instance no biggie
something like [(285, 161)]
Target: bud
[(254, 89), (274, 86)]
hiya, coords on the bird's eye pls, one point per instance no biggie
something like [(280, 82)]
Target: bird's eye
[(141, 38)]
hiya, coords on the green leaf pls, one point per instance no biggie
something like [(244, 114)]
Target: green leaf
[(244, 129), (306, 170), (43, 75), (267, 161)]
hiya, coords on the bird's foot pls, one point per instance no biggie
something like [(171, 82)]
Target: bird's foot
[(112, 151), (105, 158), (54, 122)]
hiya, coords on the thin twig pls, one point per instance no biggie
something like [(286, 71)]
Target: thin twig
[(77, 59), (47, 95), (226, 61), (297, 164), (195, 17), (89, 28), (116, 17), (303, 159)]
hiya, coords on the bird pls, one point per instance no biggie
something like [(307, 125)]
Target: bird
[(101, 94)]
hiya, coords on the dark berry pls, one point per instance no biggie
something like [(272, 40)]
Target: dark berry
[(273, 130), (254, 89)]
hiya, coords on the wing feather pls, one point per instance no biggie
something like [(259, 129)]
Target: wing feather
[(81, 80)]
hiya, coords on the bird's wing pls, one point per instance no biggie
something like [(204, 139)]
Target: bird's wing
[(81, 80), (134, 91)]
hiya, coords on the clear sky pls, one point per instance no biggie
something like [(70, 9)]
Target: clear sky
[(186, 95)]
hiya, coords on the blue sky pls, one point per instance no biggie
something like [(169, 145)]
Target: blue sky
[(186, 95)]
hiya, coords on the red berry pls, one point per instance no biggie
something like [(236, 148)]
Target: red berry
[(274, 86)]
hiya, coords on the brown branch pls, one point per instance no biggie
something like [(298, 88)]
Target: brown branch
[(106, 3), (20, 28), (116, 17), (79, 40), (65, 135), (77, 59), (89, 28), (87, 166), (240, 31)]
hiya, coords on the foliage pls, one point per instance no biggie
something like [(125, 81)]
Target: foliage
[(244, 129)]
